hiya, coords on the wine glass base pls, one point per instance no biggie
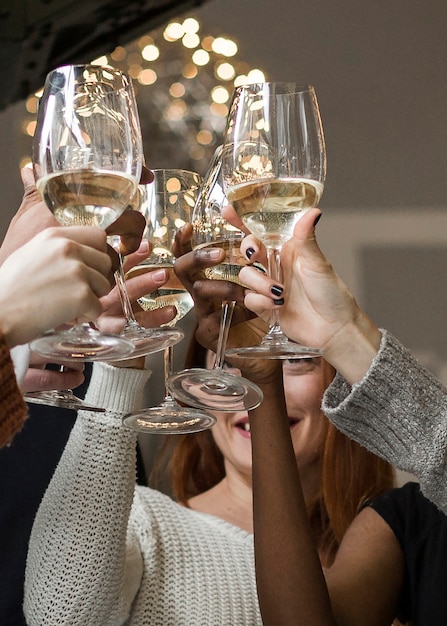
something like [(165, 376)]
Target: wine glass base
[(61, 400), (214, 390), (169, 419), (284, 350), (149, 340), (92, 346)]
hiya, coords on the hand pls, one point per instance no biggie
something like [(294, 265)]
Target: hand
[(208, 296), (56, 277), (112, 318), (130, 227), (37, 378), (32, 217), (318, 310)]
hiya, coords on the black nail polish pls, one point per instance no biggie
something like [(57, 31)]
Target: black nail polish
[(276, 290), (279, 301), (249, 252), (317, 219)]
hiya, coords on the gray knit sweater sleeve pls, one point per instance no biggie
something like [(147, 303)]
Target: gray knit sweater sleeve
[(399, 412)]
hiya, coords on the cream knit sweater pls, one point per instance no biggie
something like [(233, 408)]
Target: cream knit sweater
[(104, 553)]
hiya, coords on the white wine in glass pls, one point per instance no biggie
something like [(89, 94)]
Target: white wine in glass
[(274, 169)]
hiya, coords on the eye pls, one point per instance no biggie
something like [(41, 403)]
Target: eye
[(302, 366)]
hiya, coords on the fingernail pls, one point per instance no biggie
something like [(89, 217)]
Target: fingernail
[(159, 276), (211, 253), (249, 252), (279, 301), (276, 290), (317, 219), (144, 246)]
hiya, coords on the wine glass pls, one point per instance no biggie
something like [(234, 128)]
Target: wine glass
[(216, 388), (87, 158), (167, 205), (274, 169), (145, 340)]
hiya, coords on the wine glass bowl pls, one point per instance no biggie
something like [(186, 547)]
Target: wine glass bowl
[(274, 169), (87, 159)]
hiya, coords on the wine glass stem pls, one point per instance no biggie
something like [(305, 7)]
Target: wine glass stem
[(225, 324), (168, 360), (124, 296), (275, 273)]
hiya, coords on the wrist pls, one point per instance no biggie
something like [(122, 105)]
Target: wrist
[(352, 349)]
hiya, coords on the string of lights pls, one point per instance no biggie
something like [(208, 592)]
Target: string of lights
[(183, 82)]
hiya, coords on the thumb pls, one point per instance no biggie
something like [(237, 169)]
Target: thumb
[(28, 180)]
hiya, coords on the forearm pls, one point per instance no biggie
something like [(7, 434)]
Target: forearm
[(291, 585), (77, 554), (398, 411), (352, 349)]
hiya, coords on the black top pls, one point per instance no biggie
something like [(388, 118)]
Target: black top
[(421, 530)]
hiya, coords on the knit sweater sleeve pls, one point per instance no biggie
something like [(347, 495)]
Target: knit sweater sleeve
[(83, 565), (399, 412), (13, 409)]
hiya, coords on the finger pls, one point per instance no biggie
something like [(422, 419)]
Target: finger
[(135, 258), (146, 176), (157, 317), (28, 180), (137, 287), (261, 283), (254, 250), (229, 213), (259, 304), (130, 227), (305, 226), (220, 290), (189, 266), (35, 360), (48, 380), (86, 235), (182, 241)]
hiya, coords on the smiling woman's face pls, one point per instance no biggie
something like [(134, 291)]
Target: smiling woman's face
[(305, 381)]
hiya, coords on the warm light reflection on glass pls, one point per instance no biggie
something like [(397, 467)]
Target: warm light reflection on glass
[(101, 61)]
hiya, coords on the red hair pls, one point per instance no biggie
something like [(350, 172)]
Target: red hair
[(350, 474)]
